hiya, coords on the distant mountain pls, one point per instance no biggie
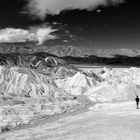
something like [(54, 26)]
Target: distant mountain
[(64, 50), (29, 54), (83, 52)]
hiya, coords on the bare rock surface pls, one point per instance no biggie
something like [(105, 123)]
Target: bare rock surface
[(37, 105), (26, 94), (119, 123)]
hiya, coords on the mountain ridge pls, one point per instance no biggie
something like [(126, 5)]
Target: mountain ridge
[(31, 54), (64, 50)]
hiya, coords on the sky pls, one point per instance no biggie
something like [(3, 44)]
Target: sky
[(107, 24)]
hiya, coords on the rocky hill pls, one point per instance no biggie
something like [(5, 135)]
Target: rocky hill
[(64, 50), (33, 56), (38, 81)]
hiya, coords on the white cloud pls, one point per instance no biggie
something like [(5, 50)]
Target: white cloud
[(39, 35), (44, 34), (40, 8), (13, 35)]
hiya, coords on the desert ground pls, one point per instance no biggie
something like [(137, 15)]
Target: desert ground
[(104, 107), (120, 122)]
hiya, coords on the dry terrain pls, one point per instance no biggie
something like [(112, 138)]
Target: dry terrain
[(119, 123)]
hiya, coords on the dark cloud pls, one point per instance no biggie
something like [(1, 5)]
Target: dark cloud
[(40, 8)]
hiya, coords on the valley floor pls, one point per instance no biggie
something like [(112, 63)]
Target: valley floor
[(121, 122)]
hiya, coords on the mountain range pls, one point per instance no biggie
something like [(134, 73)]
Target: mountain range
[(38, 81), (12, 52)]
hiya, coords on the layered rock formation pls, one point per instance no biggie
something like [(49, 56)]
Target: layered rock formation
[(26, 94), (108, 85), (36, 84)]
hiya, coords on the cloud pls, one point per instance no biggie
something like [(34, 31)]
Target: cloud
[(36, 34), (40, 8), (13, 35), (44, 34)]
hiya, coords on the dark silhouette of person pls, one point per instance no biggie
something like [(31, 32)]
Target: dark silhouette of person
[(137, 101)]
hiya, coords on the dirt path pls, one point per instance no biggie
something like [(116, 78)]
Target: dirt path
[(101, 125)]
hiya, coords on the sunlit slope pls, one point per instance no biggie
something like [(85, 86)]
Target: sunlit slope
[(24, 82), (80, 83), (26, 94), (105, 86)]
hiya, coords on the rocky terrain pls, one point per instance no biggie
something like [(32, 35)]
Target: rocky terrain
[(28, 90), (30, 100), (15, 52), (62, 50), (36, 83), (30, 94), (26, 94)]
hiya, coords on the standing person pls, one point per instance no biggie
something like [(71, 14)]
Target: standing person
[(137, 101)]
